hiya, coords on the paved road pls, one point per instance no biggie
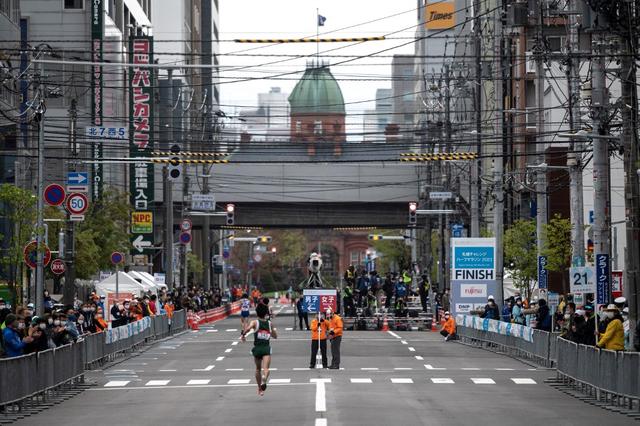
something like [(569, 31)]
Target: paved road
[(405, 378)]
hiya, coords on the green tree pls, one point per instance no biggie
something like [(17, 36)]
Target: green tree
[(104, 230), (557, 247), (520, 252), (392, 254), (18, 208)]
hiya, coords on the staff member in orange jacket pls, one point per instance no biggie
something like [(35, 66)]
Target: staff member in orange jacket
[(448, 327), (335, 335), (319, 338)]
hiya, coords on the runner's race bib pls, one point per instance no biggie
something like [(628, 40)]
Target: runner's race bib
[(263, 335)]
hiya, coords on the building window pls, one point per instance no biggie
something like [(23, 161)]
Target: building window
[(298, 127), (74, 4), (355, 258), (317, 127)]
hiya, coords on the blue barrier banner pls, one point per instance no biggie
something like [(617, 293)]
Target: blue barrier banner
[(498, 327), (128, 330)]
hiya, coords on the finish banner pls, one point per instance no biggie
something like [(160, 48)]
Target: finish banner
[(141, 182), (97, 86), (473, 273)]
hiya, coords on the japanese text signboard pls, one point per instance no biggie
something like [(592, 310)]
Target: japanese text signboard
[(319, 300), (97, 31), (603, 281), (141, 131), (473, 273)]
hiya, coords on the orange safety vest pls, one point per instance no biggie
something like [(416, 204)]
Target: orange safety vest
[(169, 310), (450, 326), (336, 324), (321, 330)]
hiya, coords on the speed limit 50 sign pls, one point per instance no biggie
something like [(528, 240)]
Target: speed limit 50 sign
[(77, 203)]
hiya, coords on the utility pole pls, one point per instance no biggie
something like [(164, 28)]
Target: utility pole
[(498, 164), (628, 78), (206, 222), (39, 296), (168, 195), (69, 255), (475, 164), (541, 173), (576, 146), (601, 184)]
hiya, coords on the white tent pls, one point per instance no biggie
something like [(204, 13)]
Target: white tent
[(152, 278), (148, 284), (126, 284)]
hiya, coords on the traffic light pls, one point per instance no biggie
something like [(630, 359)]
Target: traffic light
[(264, 239), (174, 163), (375, 237), (231, 208), (413, 214)]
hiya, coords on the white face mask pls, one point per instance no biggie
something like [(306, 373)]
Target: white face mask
[(50, 320), (56, 322), (609, 315), (42, 326), (21, 326), (80, 320), (2, 306)]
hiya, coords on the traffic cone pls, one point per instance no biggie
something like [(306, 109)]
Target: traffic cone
[(433, 323), (385, 324)]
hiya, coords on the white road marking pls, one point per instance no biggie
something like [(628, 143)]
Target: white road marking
[(321, 400), (532, 369), (194, 331), (234, 369), (117, 383), (148, 359), (430, 367), (234, 343), (157, 353), (198, 382), (228, 350), (167, 371), (369, 368), (394, 334), (470, 368), (300, 368), (412, 349), (212, 331), (207, 368), (321, 422), (442, 380), (504, 369), (289, 329), (238, 381), (135, 363), (523, 381), (157, 383), (401, 380), (231, 329), (404, 342), (483, 381), (361, 381), (403, 368), (419, 358), (276, 381), (273, 369), (220, 358)]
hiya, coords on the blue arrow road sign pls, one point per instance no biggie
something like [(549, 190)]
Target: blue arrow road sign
[(78, 178)]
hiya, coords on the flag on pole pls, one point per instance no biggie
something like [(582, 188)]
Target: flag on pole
[(321, 20)]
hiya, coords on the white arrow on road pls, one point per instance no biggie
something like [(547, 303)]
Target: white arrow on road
[(140, 244)]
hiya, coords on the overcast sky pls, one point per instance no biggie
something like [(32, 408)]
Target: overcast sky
[(297, 18)]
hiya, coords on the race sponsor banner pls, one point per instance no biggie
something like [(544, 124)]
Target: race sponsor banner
[(128, 330), (493, 326), (141, 185), (473, 273)]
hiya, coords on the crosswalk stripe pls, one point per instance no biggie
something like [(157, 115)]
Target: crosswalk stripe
[(234, 369), (220, 358), (412, 349), (234, 343), (419, 358), (238, 381), (483, 381), (276, 381), (321, 422), (228, 350), (470, 368), (198, 382), (442, 380), (157, 383), (232, 329), (504, 369), (403, 368), (401, 380), (361, 381), (117, 383), (523, 381), (289, 329), (369, 368), (212, 331)]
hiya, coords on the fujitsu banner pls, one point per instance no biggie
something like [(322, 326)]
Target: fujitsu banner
[(141, 133), (97, 86), (473, 273)]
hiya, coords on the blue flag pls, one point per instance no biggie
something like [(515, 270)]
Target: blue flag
[(321, 20)]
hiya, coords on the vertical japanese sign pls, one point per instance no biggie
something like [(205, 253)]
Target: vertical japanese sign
[(543, 281), (603, 281), (141, 136), (97, 30), (473, 273)]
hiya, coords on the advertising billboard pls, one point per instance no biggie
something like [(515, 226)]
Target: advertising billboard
[(440, 16)]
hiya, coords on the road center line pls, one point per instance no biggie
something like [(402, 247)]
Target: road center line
[(321, 422)]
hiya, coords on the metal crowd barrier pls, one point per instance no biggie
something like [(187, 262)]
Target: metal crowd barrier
[(35, 376), (612, 377)]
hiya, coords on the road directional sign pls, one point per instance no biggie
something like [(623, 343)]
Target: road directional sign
[(140, 243), (58, 267), (77, 203), (54, 194), (77, 178)]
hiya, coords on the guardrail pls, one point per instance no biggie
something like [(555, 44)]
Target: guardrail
[(36, 376), (609, 376), (515, 340)]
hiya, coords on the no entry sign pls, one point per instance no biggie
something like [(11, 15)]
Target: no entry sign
[(54, 194)]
